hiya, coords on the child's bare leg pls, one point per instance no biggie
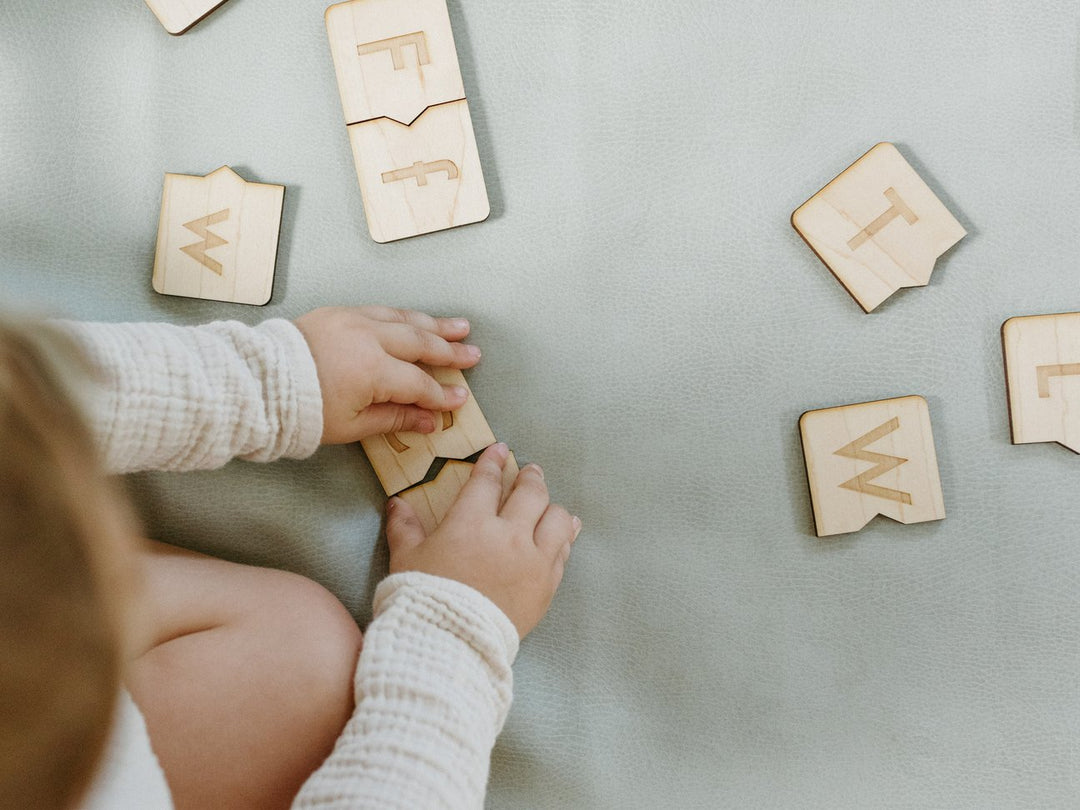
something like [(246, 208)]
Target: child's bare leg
[(247, 680)]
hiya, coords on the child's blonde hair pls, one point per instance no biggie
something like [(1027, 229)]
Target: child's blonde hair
[(63, 580)]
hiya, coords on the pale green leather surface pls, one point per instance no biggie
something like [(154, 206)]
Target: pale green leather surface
[(652, 330)]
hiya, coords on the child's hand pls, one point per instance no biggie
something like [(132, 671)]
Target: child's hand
[(514, 555), (365, 358)]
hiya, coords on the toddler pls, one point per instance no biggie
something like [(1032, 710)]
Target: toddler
[(134, 674)]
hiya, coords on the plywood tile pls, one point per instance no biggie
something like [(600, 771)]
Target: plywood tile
[(878, 226), (393, 58), (177, 16), (421, 178), (1042, 372), (433, 500), (869, 459), (403, 459), (218, 237)]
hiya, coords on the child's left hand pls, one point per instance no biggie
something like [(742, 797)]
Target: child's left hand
[(366, 357)]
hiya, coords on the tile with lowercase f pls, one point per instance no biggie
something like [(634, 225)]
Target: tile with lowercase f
[(878, 227), (1042, 376), (177, 16), (401, 460), (393, 58), (869, 459), (421, 178), (218, 237), (431, 501)]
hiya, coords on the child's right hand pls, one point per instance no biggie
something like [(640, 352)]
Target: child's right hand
[(514, 555)]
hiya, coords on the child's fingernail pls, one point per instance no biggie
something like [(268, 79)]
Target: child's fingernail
[(459, 323), (537, 469), (426, 424), (460, 392), (577, 526), (502, 450), (391, 504), (473, 351)]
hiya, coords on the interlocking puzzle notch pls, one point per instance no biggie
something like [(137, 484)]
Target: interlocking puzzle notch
[(408, 121), (218, 237), (877, 226), (177, 16), (402, 460), (431, 501), (1042, 376), (869, 459)]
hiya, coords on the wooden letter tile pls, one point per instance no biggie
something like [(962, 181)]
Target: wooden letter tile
[(877, 226), (179, 15), (218, 237), (1042, 373), (408, 120), (874, 458), (393, 58), (403, 459), (433, 500), (422, 178)]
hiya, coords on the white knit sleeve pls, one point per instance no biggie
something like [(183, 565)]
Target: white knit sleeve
[(433, 687), (168, 397)]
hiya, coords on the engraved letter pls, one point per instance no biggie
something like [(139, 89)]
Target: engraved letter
[(421, 170), (197, 250), (1044, 373), (396, 46), (861, 483), (899, 209), (398, 446)]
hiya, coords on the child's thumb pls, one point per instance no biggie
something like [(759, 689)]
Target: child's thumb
[(403, 528)]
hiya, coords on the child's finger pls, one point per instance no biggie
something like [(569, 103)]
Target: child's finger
[(389, 417), (449, 328), (529, 497), (415, 345), (483, 491), (403, 528), (407, 384), (556, 530)]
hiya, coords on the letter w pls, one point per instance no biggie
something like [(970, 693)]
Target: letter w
[(200, 227), (883, 464)]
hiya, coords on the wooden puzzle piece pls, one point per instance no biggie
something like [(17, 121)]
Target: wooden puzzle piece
[(432, 500), (393, 58), (177, 16), (877, 226), (408, 120), (218, 237), (1042, 376), (422, 178), (869, 459), (403, 459)]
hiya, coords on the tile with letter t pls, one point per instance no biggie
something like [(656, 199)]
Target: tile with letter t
[(869, 459), (218, 237), (877, 226), (1042, 375)]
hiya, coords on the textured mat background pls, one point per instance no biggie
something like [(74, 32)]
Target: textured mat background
[(652, 329)]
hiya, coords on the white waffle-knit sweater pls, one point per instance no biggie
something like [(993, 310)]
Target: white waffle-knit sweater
[(433, 683)]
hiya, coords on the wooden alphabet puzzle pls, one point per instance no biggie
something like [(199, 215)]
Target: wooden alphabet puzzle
[(874, 458), (433, 500), (877, 226), (179, 15), (402, 460), (407, 117), (1042, 376), (218, 237)]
